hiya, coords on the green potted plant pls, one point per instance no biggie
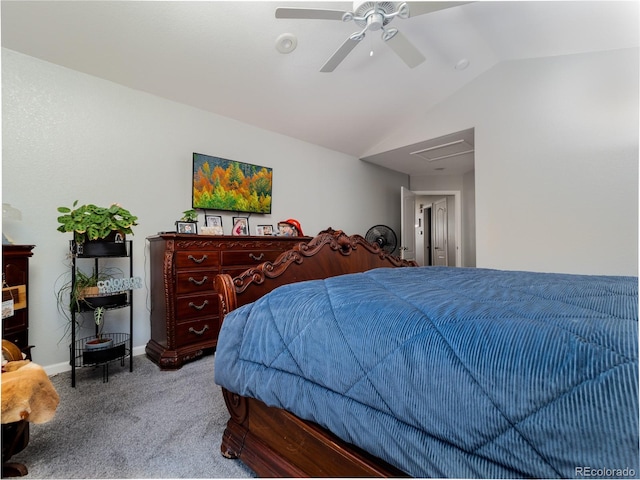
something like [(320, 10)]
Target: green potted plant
[(83, 295), (94, 226), (188, 223), (189, 216), (99, 342), (86, 294)]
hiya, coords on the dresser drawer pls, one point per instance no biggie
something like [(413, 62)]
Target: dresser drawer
[(196, 331), (249, 257), (199, 259), (15, 323), (195, 281), (195, 306)]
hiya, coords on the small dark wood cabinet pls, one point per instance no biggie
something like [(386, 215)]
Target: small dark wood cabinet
[(15, 272), (184, 306)]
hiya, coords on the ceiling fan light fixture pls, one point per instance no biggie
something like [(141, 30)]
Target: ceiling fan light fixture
[(377, 12), (389, 33), (403, 11), (357, 36), (375, 21), (286, 43)]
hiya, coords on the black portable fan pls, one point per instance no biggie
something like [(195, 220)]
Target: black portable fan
[(383, 236)]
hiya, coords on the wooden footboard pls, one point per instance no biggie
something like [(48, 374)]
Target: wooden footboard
[(275, 443), (272, 441), (329, 254)]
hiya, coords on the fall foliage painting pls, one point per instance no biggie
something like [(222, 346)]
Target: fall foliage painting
[(221, 184)]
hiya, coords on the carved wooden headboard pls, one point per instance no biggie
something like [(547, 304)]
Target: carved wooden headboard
[(329, 254)]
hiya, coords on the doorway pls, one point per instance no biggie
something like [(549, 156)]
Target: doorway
[(440, 166), (435, 236), (431, 230), (426, 222), (439, 234)]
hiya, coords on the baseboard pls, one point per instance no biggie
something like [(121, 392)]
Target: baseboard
[(57, 368)]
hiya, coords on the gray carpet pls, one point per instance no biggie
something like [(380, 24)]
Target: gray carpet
[(142, 424)]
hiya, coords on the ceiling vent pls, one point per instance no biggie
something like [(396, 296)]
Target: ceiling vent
[(445, 150)]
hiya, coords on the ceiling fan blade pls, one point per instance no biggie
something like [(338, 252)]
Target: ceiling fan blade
[(420, 8), (341, 53), (309, 13), (405, 50)]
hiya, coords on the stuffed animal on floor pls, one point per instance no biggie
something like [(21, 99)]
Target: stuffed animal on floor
[(27, 393)]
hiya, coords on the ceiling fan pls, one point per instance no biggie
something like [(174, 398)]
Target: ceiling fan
[(371, 16)]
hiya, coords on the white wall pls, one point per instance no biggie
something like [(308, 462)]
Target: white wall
[(69, 136), (556, 161), (469, 219)]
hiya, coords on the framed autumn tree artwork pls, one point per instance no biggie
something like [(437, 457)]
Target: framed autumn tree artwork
[(222, 184)]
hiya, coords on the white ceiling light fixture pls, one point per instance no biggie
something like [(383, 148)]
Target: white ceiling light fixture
[(286, 43)]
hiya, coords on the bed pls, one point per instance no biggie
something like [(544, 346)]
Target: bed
[(334, 362)]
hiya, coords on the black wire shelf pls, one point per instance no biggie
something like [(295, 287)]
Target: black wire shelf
[(117, 350)]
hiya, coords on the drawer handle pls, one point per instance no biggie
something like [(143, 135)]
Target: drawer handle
[(197, 260), (257, 259), (198, 282), (199, 307), (199, 332)]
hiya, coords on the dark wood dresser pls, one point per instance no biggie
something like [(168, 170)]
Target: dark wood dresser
[(184, 306), (15, 273)]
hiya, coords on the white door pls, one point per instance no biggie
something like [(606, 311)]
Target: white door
[(440, 233), (407, 224)]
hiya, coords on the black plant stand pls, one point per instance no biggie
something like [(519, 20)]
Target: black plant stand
[(122, 346)]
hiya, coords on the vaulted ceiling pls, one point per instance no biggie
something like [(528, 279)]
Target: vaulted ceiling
[(221, 56)]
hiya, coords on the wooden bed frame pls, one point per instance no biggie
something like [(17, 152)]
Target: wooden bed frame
[(271, 441)]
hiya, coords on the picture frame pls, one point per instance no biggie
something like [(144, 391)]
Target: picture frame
[(240, 226), (187, 227), (213, 220), (264, 230)]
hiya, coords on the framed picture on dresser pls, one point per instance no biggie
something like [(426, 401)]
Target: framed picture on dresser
[(187, 227), (213, 220), (264, 230), (213, 225), (240, 226)]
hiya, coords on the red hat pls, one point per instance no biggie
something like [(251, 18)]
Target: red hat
[(296, 224)]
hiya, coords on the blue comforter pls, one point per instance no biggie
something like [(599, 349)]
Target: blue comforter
[(447, 372)]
